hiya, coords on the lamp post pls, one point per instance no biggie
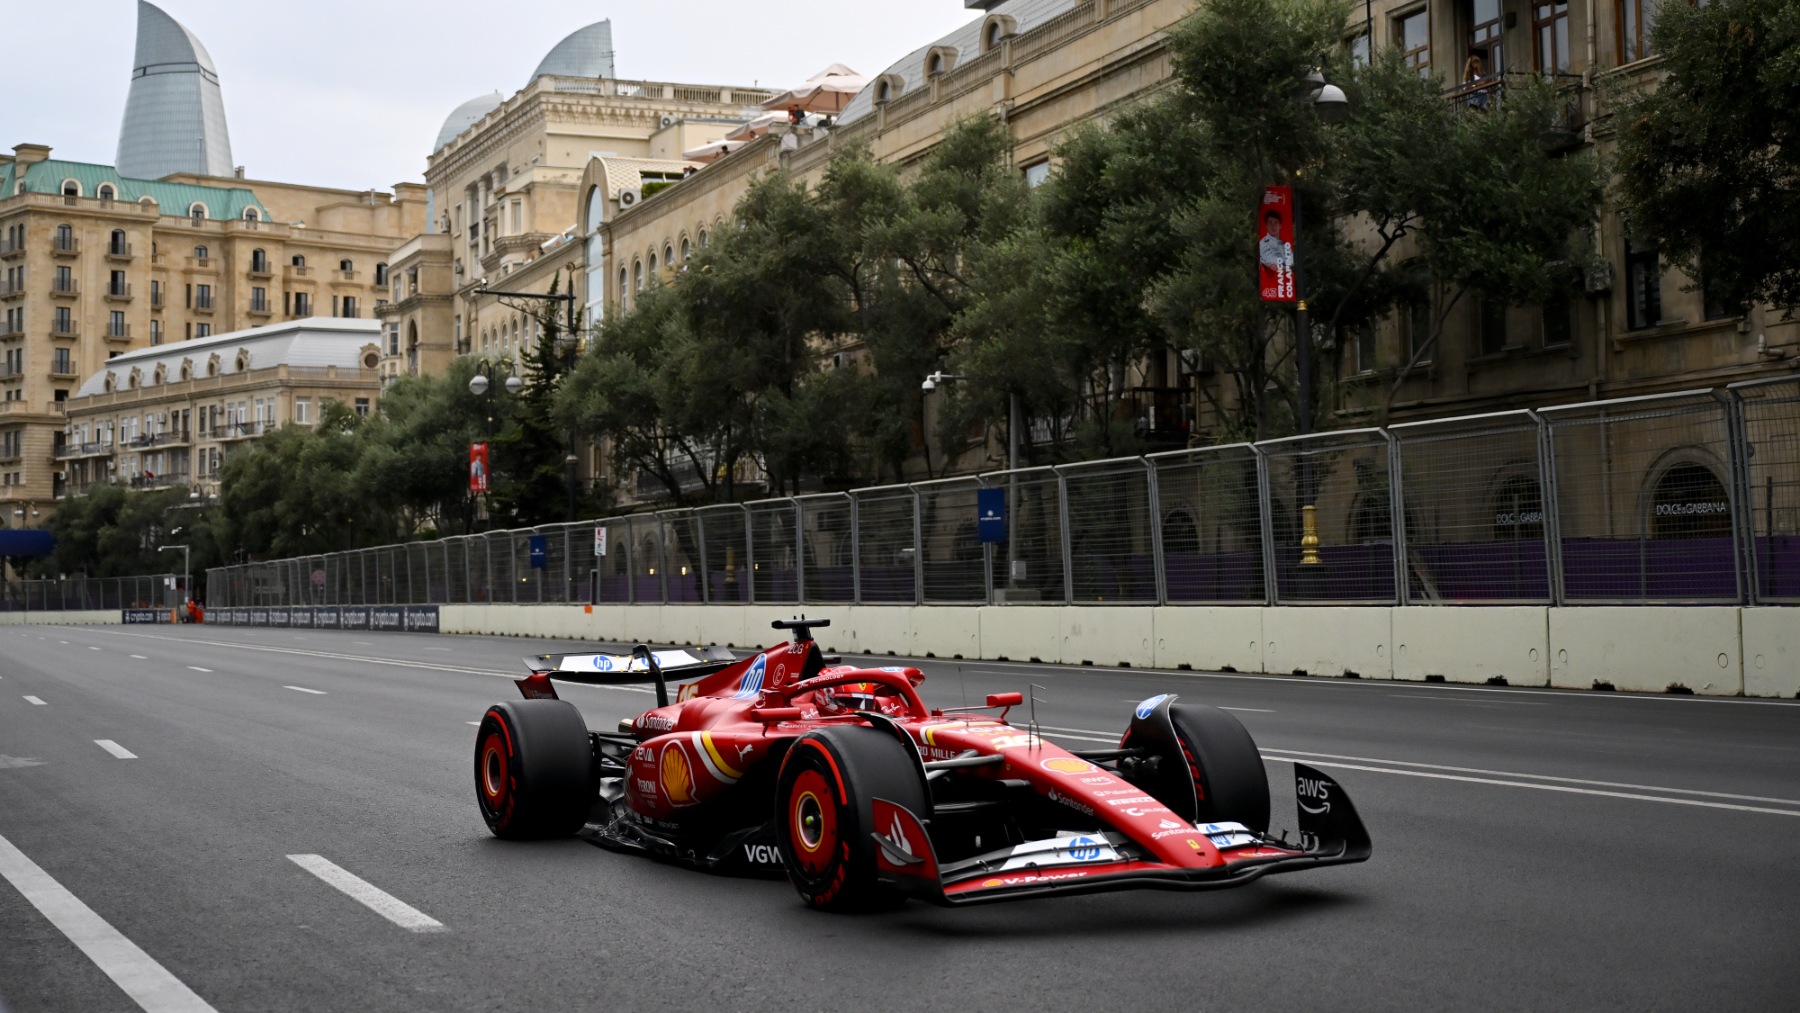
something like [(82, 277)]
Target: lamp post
[(186, 587), (568, 344), (480, 386), (1012, 467)]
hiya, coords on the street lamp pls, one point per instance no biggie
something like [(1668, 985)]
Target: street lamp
[(1012, 467), (569, 345), (481, 387), (1331, 105), (186, 587)]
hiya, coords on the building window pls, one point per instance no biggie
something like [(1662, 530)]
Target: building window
[(71, 188), (686, 251), (637, 275), (381, 274), (1636, 19), (116, 246), (1643, 285), (106, 191), (115, 327), (64, 321), (362, 407), (1365, 348), (197, 211), (259, 300), (1557, 321), (935, 65), (115, 283), (1550, 28), (65, 280), (203, 297), (1412, 33), (1037, 173), (703, 239), (393, 335), (251, 215), (60, 364), (259, 261), (65, 237), (1487, 36), (302, 304), (299, 261), (202, 330), (1490, 324), (303, 411), (156, 332), (346, 266), (349, 306), (1418, 331), (201, 253), (653, 267)]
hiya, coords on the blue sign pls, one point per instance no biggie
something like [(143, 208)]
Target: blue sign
[(990, 514), (540, 551)]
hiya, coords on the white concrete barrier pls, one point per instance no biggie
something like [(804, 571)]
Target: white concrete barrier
[(1771, 651), (1328, 640), (1712, 650), (1473, 644), (1021, 633), (1208, 638), (1095, 635), (1648, 649), (84, 617)]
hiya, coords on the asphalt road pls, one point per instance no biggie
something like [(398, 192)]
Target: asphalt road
[(1533, 850)]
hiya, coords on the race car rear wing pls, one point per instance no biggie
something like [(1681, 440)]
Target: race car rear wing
[(640, 666)]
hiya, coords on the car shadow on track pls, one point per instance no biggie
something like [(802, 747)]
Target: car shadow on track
[(1117, 915)]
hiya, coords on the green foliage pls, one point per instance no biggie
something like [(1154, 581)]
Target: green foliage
[(115, 532), (1709, 162)]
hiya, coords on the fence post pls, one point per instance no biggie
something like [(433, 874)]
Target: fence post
[(918, 539), (1154, 490), (1271, 586), (855, 549), (1738, 464), (1550, 495), (700, 550), (799, 550), (1397, 519)]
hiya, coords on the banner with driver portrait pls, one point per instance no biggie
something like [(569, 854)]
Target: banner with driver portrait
[(1275, 245), (478, 467)]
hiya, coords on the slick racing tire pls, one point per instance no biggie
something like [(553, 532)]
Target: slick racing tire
[(534, 769), (823, 819), (1219, 756)]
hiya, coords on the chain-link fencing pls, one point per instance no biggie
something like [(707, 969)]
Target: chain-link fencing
[(1690, 497)]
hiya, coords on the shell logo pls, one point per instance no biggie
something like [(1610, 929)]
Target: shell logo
[(993, 882), (1068, 765), (677, 775)]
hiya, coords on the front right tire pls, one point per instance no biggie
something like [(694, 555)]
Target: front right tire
[(823, 818), (535, 775)]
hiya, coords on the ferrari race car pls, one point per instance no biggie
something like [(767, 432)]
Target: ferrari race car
[(791, 762)]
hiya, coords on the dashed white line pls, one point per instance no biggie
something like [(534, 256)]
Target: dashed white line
[(34, 701), (361, 890), (62, 641), (303, 689), (197, 668), (140, 657), (147, 982), (1248, 710), (475, 723), (114, 748), (92, 648)]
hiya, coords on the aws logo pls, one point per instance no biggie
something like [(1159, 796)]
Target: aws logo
[(1318, 790)]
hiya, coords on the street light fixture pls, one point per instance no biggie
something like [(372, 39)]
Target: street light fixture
[(186, 581), (570, 345)]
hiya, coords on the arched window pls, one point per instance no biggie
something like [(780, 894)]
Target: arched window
[(653, 264), (936, 64), (201, 253), (197, 211), (381, 277), (624, 291), (883, 91), (71, 188), (668, 255), (686, 251), (252, 215), (637, 276), (259, 261), (703, 239), (346, 266), (65, 237), (994, 33), (1690, 502), (299, 261), (106, 192), (117, 245)]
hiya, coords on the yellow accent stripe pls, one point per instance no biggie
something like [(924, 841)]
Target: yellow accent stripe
[(713, 751)]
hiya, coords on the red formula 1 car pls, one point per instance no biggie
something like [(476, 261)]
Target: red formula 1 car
[(841, 777)]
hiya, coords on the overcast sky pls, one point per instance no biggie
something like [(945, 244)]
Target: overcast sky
[(351, 93)]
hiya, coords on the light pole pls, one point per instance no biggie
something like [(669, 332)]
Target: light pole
[(482, 388), (186, 588), (569, 344), (1012, 468)]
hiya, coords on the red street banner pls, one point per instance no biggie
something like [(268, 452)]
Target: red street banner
[(478, 467), (1275, 250)]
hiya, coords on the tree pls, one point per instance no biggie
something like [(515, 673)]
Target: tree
[(294, 493), (1709, 162), (116, 532)]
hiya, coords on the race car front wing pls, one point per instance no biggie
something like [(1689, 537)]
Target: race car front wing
[(1331, 833)]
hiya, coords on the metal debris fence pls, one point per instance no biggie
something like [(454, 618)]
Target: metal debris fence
[(81, 594), (1687, 497)]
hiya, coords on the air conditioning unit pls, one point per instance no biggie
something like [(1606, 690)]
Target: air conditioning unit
[(667, 121), (629, 197)]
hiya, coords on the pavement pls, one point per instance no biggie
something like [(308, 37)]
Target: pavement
[(260, 819)]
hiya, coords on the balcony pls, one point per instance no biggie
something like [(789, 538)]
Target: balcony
[(76, 451), (118, 293), (120, 333), (262, 272), (203, 305), (8, 373), (156, 299), (172, 438), (65, 290), (118, 251), (10, 331), (296, 271), (64, 371), (65, 329), (259, 309), (226, 432), (149, 481), (70, 247), (9, 249), (11, 292)]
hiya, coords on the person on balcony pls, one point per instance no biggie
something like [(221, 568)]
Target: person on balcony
[(1478, 98)]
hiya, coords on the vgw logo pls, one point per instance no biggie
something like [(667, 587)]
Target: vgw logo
[(762, 854), (1317, 790)]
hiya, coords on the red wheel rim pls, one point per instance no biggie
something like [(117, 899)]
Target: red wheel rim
[(492, 775), (812, 822)]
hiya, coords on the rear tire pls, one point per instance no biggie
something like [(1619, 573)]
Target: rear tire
[(534, 769), (823, 819)]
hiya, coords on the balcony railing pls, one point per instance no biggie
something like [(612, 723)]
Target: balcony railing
[(159, 481), (260, 271), (11, 291), (203, 305), (8, 248), (120, 332), (298, 271), (174, 437), (119, 293), (118, 251), (8, 330), (227, 431), (156, 298), (63, 370), (65, 289), (65, 329), (259, 308), (69, 247), (70, 451)]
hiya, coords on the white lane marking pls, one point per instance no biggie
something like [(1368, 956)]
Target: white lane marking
[(1541, 777), (34, 701), (303, 689), (114, 748), (365, 643), (147, 982), (140, 657), (1440, 699), (379, 901), (62, 641), (92, 648), (1249, 710), (197, 668), (1540, 787), (475, 723)]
